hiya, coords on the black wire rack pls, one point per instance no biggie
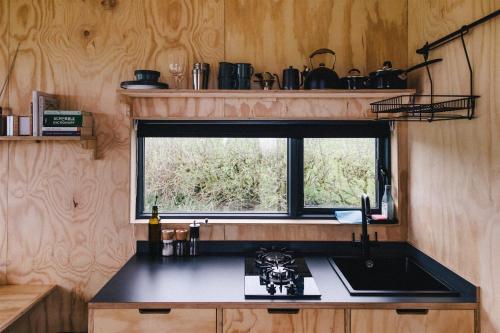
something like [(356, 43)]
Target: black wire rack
[(425, 107), (433, 107)]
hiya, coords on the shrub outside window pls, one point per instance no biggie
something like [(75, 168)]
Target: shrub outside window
[(259, 170)]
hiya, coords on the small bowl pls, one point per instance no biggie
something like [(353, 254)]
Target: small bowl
[(146, 75)]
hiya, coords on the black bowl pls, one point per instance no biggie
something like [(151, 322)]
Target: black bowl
[(146, 75)]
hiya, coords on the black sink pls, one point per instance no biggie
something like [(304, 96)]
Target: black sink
[(399, 276)]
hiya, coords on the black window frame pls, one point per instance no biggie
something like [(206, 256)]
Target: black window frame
[(294, 132)]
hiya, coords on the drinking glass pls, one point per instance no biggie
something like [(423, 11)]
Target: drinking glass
[(176, 69)]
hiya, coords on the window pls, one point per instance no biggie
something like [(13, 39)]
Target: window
[(272, 169)]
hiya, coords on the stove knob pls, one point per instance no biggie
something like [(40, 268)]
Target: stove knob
[(271, 289), (291, 289)]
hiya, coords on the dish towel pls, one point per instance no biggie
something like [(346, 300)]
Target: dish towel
[(348, 216)]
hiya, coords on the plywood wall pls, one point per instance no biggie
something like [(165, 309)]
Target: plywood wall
[(273, 35), (454, 167), (67, 219), (4, 59)]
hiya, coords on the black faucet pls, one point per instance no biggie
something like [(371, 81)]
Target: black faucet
[(365, 237), (365, 242)]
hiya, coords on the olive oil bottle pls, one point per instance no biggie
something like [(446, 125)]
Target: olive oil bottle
[(154, 232)]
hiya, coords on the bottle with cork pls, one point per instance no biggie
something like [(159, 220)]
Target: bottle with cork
[(154, 231)]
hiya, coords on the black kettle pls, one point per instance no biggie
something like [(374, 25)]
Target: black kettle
[(292, 79), (321, 77)]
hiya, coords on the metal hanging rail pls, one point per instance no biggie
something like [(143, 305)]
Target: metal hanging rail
[(456, 34), (434, 107)]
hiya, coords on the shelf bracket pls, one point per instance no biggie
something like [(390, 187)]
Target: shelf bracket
[(90, 145)]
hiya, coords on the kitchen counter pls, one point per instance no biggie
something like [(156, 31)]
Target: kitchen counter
[(217, 280)]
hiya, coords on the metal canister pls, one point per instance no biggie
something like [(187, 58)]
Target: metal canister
[(201, 75)]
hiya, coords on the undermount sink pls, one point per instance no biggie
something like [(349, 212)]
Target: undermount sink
[(397, 276)]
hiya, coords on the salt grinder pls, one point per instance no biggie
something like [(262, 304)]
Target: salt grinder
[(167, 237)]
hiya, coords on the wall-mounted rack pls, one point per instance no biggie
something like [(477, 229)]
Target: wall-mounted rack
[(433, 107)]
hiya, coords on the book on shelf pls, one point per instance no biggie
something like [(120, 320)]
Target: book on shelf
[(40, 102), (12, 126), (67, 113), (67, 131), (51, 120)]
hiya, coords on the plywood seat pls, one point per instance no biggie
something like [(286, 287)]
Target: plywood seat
[(16, 301)]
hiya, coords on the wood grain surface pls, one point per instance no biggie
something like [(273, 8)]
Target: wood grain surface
[(4, 55), (273, 35), (435, 321), (68, 216), (132, 321), (16, 301), (261, 321), (454, 171)]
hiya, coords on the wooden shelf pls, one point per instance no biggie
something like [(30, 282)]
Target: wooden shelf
[(86, 142), (332, 104), (216, 93), (47, 138)]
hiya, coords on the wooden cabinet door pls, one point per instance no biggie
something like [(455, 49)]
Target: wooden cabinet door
[(159, 321), (283, 321), (393, 321)]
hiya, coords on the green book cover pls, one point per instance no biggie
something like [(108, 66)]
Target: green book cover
[(67, 121)]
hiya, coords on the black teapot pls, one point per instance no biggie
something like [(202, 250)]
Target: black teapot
[(292, 79), (321, 77)]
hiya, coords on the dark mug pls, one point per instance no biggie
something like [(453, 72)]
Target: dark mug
[(243, 70), (242, 83), (225, 82), (291, 79), (226, 69)]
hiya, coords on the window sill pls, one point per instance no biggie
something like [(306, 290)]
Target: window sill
[(330, 221)]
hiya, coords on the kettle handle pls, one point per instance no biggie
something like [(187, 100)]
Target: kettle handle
[(323, 51)]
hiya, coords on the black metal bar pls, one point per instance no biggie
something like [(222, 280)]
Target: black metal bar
[(456, 34), (470, 111), (295, 176), (139, 198), (283, 311), (412, 311), (155, 311)]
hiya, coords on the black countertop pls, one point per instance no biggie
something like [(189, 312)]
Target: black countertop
[(217, 279)]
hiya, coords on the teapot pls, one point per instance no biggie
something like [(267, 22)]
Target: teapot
[(292, 79), (321, 77)]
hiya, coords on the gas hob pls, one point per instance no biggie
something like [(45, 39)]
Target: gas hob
[(278, 274)]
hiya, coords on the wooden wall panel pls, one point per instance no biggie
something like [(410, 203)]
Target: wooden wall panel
[(312, 232), (4, 49), (69, 215), (275, 34), (454, 171)]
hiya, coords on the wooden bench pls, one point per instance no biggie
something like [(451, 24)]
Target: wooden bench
[(16, 302)]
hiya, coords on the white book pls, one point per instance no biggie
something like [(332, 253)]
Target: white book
[(67, 113), (40, 102), (64, 129)]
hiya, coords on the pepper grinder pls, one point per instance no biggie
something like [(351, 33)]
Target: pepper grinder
[(194, 238), (181, 242), (167, 237)]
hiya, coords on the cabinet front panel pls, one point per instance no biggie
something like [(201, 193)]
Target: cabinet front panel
[(434, 321), (176, 321), (301, 321)]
